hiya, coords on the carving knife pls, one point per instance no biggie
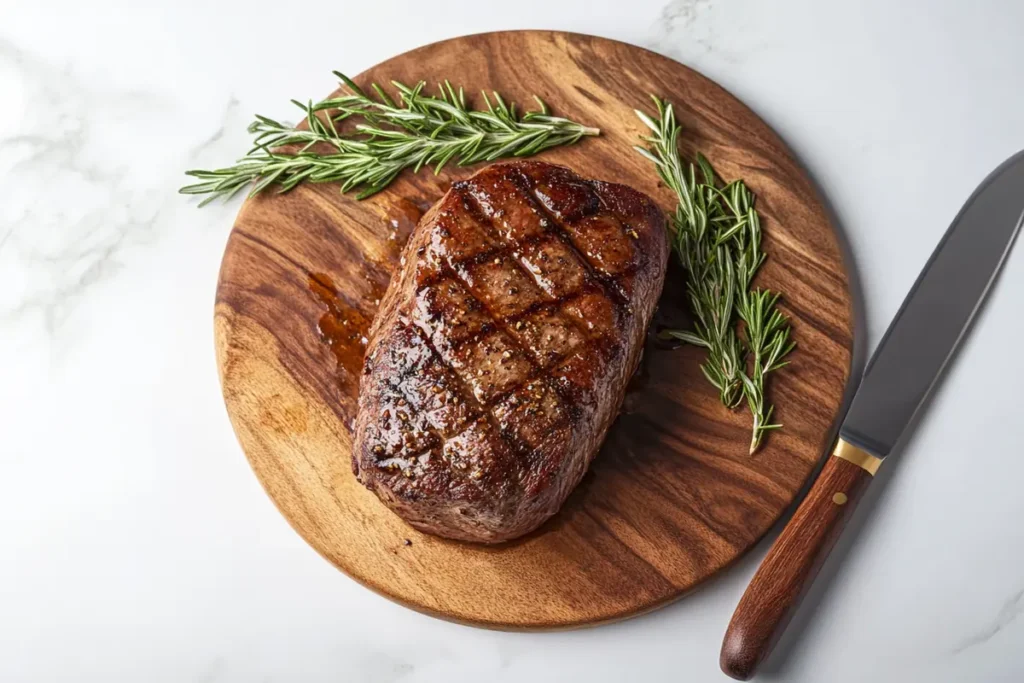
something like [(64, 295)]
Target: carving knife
[(900, 375)]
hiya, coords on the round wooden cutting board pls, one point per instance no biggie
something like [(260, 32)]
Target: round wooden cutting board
[(673, 496)]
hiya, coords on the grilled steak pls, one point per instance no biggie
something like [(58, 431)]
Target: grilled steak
[(503, 346)]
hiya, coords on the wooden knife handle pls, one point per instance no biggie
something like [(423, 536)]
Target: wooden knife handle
[(794, 560)]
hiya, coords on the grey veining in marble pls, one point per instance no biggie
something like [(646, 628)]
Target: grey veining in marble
[(1010, 610)]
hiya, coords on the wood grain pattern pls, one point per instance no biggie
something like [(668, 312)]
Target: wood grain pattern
[(790, 567), (673, 497)]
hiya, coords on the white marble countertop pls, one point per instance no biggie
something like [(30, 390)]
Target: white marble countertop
[(136, 544)]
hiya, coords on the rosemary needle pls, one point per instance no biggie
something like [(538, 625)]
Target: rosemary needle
[(415, 131), (716, 234)]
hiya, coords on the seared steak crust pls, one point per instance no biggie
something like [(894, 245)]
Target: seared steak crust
[(502, 348)]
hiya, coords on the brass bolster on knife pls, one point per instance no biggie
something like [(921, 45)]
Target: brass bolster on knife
[(858, 457)]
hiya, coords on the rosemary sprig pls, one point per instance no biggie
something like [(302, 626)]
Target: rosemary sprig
[(716, 234), (415, 131)]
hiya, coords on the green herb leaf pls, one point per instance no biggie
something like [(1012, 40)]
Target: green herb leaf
[(420, 131), (716, 234)]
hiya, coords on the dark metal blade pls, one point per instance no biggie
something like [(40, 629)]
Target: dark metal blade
[(937, 311)]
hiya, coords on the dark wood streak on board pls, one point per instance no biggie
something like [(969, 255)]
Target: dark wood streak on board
[(673, 497)]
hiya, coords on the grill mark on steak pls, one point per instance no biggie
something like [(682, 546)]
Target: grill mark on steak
[(537, 340), (554, 303), (544, 306), (534, 375), (508, 249), (610, 287), (593, 280), (552, 229), (463, 393)]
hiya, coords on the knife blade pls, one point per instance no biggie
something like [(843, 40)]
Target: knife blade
[(937, 311), (902, 372)]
